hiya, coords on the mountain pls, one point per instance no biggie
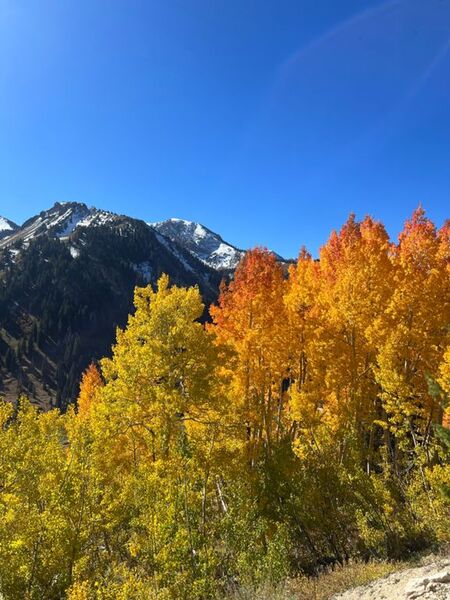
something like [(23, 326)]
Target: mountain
[(60, 221), (67, 278), (201, 242), (7, 227), (205, 245)]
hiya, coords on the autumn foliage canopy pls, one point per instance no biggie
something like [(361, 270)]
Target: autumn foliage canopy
[(306, 423)]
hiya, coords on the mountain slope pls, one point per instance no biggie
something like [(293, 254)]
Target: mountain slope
[(66, 281), (7, 227), (59, 221), (201, 242), (67, 277)]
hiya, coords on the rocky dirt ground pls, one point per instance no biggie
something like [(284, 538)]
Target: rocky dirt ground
[(428, 581)]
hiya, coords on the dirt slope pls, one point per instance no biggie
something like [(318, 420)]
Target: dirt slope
[(429, 581)]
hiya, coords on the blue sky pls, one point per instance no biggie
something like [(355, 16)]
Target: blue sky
[(268, 121)]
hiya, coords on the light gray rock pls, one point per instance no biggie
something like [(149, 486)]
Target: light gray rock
[(430, 581)]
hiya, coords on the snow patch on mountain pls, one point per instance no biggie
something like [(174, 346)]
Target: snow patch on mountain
[(6, 225), (79, 215), (60, 221), (201, 242), (97, 218), (70, 220)]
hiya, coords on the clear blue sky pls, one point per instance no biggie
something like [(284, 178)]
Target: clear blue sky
[(266, 120)]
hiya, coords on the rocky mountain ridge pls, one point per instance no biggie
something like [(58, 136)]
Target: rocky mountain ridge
[(207, 246), (65, 218)]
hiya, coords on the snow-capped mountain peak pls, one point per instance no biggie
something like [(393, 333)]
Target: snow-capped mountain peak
[(201, 242), (61, 220), (7, 227), (64, 217), (184, 239)]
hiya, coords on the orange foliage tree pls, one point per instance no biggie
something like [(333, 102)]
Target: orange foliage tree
[(250, 321), (90, 384)]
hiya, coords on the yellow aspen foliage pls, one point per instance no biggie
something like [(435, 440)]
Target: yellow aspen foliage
[(444, 381), (160, 378), (42, 518), (356, 284), (444, 369), (412, 333), (155, 445), (332, 305), (305, 365), (298, 429)]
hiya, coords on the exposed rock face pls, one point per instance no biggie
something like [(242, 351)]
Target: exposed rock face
[(200, 241)]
